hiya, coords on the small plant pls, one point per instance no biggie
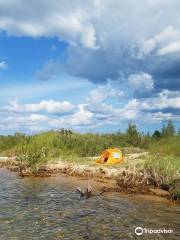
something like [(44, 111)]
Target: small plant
[(31, 156)]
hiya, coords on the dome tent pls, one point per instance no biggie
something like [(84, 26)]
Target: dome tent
[(111, 156)]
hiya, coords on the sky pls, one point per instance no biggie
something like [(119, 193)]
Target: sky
[(89, 66)]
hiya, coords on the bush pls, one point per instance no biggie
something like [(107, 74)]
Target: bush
[(31, 155)]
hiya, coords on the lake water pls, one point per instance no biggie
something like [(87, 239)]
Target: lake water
[(50, 208)]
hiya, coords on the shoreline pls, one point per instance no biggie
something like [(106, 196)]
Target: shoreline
[(105, 179)]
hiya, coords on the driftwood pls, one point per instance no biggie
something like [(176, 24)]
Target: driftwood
[(87, 193)]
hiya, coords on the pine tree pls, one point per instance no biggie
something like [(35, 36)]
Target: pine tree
[(156, 134), (133, 135), (169, 129)]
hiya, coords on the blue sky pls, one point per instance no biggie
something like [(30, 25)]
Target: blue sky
[(92, 66)]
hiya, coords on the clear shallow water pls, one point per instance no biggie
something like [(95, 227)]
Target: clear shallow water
[(50, 208)]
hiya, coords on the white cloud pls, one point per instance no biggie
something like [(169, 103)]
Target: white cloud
[(81, 117), (141, 81), (37, 118), (164, 42), (169, 94), (104, 37), (94, 24), (89, 38), (170, 48), (23, 122), (3, 65), (104, 92), (88, 115), (167, 35), (159, 116), (164, 100), (29, 120), (145, 110), (147, 47), (50, 106), (131, 110), (70, 22)]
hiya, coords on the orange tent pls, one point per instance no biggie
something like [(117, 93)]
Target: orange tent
[(111, 156)]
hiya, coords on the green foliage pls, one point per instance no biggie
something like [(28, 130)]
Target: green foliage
[(65, 143), (133, 136), (31, 154), (168, 130), (156, 134), (59, 143), (9, 142)]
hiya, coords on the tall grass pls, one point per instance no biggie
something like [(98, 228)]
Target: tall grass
[(163, 168), (166, 146), (68, 145), (53, 144)]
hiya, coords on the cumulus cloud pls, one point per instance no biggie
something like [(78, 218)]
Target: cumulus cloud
[(22, 122), (36, 118), (81, 117), (50, 106), (170, 48), (90, 114), (160, 41), (106, 40), (141, 81), (160, 116), (133, 56), (164, 100), (161, 106), (104, 92), (67, 21)]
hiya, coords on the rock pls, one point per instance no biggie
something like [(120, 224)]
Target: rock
[(159, 192)]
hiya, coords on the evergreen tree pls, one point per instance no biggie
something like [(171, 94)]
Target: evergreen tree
[(156, 134), (133, 135), (169, 129)]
